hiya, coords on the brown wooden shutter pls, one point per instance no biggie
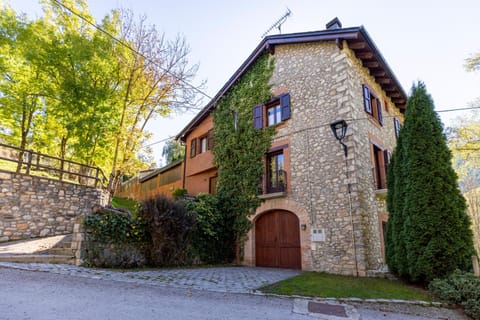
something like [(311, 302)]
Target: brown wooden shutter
[(285, 106), (193, 148), (366, 100), (258, 117), (210, 140)]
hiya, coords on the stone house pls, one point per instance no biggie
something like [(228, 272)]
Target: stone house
[(323, 210)]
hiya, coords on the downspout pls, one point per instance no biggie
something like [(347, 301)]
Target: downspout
[(184, 165)]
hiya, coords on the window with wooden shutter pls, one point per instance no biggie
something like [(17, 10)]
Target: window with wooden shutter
[(193, 148), (211, 141), (276, 110), (285, 105), (372, 105), (396, 124), (258, 117), (387, 156), (366, 99), (379, 112), (379, 162)]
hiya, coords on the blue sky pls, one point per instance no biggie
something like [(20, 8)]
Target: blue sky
[(420, 40)]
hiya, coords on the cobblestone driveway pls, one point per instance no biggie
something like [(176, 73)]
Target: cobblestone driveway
[(226, 279)]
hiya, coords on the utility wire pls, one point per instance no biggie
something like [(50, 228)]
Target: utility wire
[(169, 72), (186, 82), (458, 109), (159, 141), (131, 49), (191, 85), (326, 124)]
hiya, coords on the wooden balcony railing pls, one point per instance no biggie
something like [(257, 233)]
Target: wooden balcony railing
[(34, 163)]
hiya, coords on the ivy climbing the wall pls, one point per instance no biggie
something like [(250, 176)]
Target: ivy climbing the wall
[(239, 150)]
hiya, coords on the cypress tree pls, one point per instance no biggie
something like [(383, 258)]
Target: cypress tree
[(395, 242), (429, 233)]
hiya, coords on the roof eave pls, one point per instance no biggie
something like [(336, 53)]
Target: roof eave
[(349, 34), (388, 81)]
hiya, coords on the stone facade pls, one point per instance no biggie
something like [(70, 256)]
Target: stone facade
[(32, 207), (325, 84), (337, 203)]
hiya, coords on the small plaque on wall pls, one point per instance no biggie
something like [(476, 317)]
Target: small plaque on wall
[(318, 235)]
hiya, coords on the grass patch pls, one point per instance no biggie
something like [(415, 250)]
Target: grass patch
[(131, 205), (335, 286)]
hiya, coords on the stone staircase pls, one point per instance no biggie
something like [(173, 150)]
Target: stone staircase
[(57, 249)]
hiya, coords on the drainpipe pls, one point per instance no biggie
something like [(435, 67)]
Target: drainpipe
[(184, 166)]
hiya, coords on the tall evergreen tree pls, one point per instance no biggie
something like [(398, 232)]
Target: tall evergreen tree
[(430, 233), (395, 246)]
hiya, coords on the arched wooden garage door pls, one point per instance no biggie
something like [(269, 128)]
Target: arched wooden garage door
[(277, 240)]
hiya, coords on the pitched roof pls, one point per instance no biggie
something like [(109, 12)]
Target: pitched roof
[(358, 41)]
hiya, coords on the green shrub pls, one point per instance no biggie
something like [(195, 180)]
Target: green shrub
[(179, 193), (115, 228), (209, 238), (460, 288), (171, 227), (115, 240)]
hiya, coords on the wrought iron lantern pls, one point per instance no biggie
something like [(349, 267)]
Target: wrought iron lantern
[(339, 129)]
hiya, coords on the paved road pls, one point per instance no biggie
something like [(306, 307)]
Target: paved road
[(38, 295), (67, 292)]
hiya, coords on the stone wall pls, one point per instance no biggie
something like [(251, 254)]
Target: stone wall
[(32, 207), (325, 84)]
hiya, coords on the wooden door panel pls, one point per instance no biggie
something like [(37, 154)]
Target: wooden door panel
[(288, 229), (267, 256), (290, 258), (277, 240), (265, 231)]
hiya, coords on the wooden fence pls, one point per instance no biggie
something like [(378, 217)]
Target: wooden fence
[(30, 162)]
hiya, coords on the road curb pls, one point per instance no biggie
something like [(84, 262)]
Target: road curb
[(433, 304)]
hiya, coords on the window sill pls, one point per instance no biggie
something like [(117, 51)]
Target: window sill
[(272, 195), (381, 193), (375, 121)]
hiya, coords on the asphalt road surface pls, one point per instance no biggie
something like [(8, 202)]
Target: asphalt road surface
[(41, 295)]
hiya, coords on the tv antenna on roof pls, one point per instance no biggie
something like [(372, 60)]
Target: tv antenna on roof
[(278, 23)]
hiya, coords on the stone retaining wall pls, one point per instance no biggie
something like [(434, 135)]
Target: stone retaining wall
[(32, 207)]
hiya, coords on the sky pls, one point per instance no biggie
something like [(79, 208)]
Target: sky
[(420, 40)]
